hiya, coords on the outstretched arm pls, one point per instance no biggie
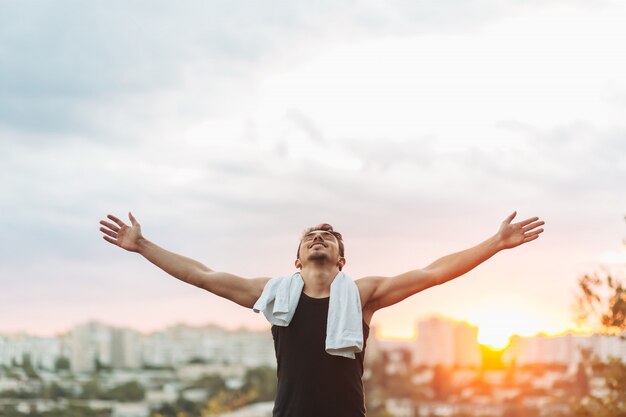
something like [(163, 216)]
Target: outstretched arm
[(382, 292), (242, 291)]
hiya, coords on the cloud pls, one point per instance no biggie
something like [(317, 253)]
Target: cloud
[(227, 128), (65, 64)]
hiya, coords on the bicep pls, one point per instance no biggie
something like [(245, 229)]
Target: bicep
[(242, 291), (386, 291)]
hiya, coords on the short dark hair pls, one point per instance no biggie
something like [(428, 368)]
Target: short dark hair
[(327, 228)]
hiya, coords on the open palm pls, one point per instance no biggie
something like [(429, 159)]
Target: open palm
[(514, 234), (120, 234)]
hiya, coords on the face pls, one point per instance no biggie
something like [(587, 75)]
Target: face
[(319, 245)]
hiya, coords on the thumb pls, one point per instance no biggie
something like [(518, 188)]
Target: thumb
[(511, 217), (133, 221)]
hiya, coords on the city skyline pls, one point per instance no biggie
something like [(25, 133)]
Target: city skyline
[(228, 130), (497, 342), (102, 367), (441, 341)]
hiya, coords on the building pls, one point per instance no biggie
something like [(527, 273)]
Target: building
[(88, 343), (42, 351), (125, 349), (446, 342), (179, 344), (563, 349)]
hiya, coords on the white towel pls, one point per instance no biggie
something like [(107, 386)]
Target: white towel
[(344, 328)]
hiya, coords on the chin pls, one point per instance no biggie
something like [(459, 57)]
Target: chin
[(318, 257)]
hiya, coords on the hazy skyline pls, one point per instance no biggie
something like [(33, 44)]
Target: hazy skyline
[(227, 128)]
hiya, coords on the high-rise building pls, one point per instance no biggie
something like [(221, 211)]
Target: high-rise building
[(125, 349), (563, 349), (88, 343), (179, 344), (441, 341), (42, 351)]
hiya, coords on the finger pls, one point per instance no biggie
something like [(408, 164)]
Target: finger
[(116, 220), (533, 233), (528, 239), (108, 232), (527, 221), (108, 239), (532, 226), (511, 217), (110, 225), (133, 221)]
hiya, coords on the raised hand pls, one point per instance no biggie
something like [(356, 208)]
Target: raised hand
[(122, 235), (511, 235)]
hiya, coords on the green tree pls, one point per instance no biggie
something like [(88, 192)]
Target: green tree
[(61, 364), (54, 391), (181, 407), (10, 411), (212, 383), (72, 411), (226, 401), (262, 382), (129, 391), (100, 366), (91, 390), (28, 368)]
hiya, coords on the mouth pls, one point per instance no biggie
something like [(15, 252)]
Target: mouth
[(315, 244)]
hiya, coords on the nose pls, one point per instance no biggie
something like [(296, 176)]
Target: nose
[(318, 238)]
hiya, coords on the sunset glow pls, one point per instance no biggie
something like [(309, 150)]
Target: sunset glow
[(498, 321), (392, 131)]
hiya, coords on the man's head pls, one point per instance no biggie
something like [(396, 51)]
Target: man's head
[(319, 243)]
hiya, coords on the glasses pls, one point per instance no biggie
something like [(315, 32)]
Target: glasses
[(312, 235)]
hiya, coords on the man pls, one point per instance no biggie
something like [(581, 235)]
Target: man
[(312, 382)]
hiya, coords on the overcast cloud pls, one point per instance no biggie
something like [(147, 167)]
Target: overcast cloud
[(228, 127)]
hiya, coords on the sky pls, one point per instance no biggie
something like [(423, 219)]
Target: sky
[(228, 127)]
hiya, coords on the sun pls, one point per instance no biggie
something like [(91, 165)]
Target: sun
[(496, 326), (494, 337)]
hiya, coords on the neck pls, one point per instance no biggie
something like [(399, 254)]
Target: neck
[(317, 280)]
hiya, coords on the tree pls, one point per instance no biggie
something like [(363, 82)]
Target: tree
[(602, 300), (261, 382), (55, 391), (28, 368), (226, 401), (594, 305), (91, 389), (212, 383), (129, 391), (61, 364), (613, 404)]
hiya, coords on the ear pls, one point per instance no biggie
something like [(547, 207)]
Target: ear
[(341, 262), (298, 264)]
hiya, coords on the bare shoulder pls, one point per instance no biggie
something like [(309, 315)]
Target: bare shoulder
[(367, 286), (381, 292), (258, 284)]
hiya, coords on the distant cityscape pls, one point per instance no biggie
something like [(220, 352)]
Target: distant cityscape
[(210, 370)]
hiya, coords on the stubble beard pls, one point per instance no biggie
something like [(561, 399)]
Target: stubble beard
[(318, 257)]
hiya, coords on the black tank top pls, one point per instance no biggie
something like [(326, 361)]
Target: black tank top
[(311, 382)]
